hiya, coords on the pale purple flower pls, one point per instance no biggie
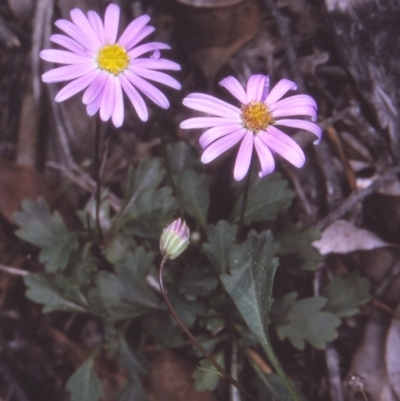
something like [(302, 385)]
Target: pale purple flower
[(107, 67), (254, 123)]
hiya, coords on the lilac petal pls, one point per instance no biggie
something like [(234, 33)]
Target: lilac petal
[(107, 99), (221, 146), (282, 144), (257, 85), (217, 132), (67, 72), (95, 87), (132, 30), (136, 99), (156, 64), (158, 77), (69, 44), (243, 157), (146, 31), (74, 87), (301, 124), (81, 21), (235, 88), (146, 48), (279, 90), (206, 122), (111, 23), (76, 33), (148, 89), (62, 56), (93, 107), (97, 25), (267, 162), (118, 113), (211, 105), (295, 106)]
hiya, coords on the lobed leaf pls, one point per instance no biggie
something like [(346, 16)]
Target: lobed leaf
[(47, 231)]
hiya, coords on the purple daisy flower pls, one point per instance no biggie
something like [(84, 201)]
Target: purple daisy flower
[(106, 67), (254, 123)]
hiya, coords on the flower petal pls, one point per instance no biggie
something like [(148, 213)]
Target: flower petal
[(157, 76), (206, 122), (235, 88), (69, 44), (62, 56), (67, 72), (298, 105), (210, 104), (156, 64), (221, 145), (257, 86), (148, 89), (130, 33), (147, 48), (107, 99), (81, 21), (97, 25), (95, 87), (282, 144), (93, 107), (111, 23), (118, 113), (243, 157), (74, 87), (217, 132), (267, 162), (279, 90), (136, 99), (76, 33), (301, 124)]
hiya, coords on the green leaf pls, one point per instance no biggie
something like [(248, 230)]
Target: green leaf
[(84, 385), (54, 294), (153, 210), (346, 295), (206, 376), (186, 310), (135, 363), (297, 245), (197, 280), (267, 197), (121, 296), (132, 391), (250, 284), (194, 195), (148, 175), (221, 238), (163, 328), (304, 320), (181, 157), (48, 232)]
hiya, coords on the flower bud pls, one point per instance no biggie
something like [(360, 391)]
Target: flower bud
[(174, 239)]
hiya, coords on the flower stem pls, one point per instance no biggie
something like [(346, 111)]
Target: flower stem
[(210, 358), (97, 164), (244, 202), (273, 359)]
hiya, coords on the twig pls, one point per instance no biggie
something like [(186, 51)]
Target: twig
[(356, 197)]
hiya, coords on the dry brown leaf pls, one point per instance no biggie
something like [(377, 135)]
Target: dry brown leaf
[(214, 35), (344, 237), (171, 380), (209, 3), (18, 183), (392, 355)]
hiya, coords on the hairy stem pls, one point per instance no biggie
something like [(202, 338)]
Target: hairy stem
[(97, 166), (210, 358), (244, 202)]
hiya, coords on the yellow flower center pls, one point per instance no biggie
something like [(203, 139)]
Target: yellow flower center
[(256, 116), (113, 59)]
